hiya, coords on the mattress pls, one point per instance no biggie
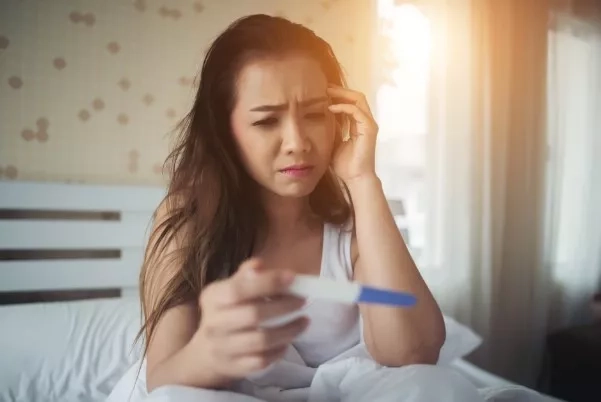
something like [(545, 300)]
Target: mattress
[(71, 351), (484, 379)]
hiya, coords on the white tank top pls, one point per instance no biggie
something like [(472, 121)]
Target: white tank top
[(334, 327)]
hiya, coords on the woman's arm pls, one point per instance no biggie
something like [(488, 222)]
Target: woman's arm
[(172, 356), (393, 336)]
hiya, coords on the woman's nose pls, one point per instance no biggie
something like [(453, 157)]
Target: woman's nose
[(294, 138)]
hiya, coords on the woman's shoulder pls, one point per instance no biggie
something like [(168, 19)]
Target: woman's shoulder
[(164, 218), (162, 259)]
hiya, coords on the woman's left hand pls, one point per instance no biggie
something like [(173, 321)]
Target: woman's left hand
[(355, 158)]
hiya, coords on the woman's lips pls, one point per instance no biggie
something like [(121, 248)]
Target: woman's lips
[(297, 171)]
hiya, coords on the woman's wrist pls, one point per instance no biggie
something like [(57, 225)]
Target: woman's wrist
[(207, 374), (190, 366), (364, 184)]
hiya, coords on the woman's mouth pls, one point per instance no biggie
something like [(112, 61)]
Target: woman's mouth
[(297, 171)]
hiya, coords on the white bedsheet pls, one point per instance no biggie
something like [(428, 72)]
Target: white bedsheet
[(351, 377), (67, 351), (77, 351)]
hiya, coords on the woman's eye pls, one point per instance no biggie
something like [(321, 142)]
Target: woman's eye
[(268, 122), (315, 116)]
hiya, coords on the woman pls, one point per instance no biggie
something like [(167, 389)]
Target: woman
[(261, 189)]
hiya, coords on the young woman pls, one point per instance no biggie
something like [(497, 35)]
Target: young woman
[(261, 188)]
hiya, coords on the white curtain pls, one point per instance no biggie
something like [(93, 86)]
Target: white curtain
[(573, 243), (511, 153)]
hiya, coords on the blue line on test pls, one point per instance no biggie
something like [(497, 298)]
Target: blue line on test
[(380, 296)]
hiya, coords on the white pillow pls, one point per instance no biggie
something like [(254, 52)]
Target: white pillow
[(67, 351), (460, 341)]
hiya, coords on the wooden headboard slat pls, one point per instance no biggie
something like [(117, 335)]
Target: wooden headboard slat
[(32, 234), (78, 197), (72, 274)]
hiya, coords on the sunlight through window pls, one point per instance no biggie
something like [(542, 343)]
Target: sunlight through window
[(403, 64)]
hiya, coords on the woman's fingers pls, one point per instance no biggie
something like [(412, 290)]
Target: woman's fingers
[(251, 363), (235, 313), (251, 315), (364, 121), (249, 283), (351, 96), (252, 281), (262, 340)]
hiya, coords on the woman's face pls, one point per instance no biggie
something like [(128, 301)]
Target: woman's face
[(281, 124)]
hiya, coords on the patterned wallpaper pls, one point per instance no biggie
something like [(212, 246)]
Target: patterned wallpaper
[(90, 90)]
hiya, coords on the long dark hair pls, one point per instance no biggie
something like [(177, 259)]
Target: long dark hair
[(213, 210)]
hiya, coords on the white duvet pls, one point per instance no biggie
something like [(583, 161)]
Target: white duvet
[(78, 351), (351, 377)]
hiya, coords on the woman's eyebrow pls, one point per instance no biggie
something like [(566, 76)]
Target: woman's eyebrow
[(284, 106)]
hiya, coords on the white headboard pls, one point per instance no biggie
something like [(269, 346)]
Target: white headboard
[(60, 237)]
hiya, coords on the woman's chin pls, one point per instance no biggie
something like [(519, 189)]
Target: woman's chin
[(294, 191), (297, 189)]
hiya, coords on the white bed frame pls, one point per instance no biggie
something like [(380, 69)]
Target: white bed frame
[(128, 235)]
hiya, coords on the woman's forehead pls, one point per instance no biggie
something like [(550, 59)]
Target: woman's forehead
[(271, 81)]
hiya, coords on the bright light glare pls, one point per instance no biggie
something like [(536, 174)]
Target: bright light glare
[(402, 100), (403, 61)]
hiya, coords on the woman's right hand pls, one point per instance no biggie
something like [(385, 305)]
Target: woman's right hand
[(230, 335)]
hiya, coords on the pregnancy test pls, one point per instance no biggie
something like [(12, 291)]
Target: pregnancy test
[(316, 287)]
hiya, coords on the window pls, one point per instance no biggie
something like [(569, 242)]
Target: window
[(401, 105)]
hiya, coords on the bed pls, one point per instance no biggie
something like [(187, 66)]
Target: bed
[(70, 256)]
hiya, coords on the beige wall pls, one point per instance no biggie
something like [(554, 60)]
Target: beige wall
[(91, 89)]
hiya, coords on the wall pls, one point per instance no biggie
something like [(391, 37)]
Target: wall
[(90, 91)]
